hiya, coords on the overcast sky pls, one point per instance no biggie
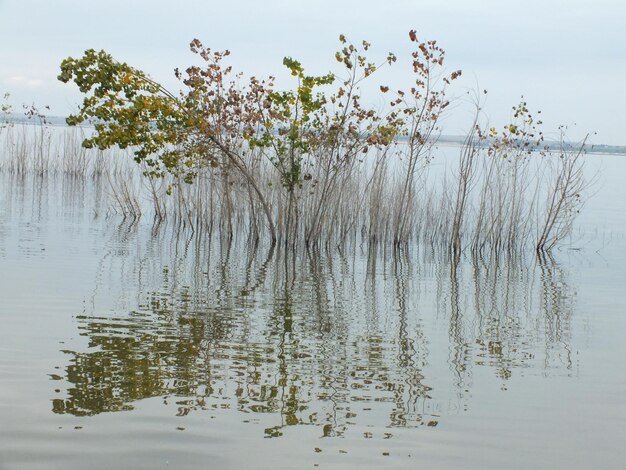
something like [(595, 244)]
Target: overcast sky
[(567, 57)]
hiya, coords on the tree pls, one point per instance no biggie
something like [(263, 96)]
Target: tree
[(226, 122)]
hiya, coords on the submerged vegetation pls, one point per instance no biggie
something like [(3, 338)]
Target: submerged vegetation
[(312, 165)]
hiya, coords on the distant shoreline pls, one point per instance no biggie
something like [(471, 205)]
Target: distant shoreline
[(453, 140)]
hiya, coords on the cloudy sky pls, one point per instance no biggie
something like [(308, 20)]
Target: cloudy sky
[(567, 57)]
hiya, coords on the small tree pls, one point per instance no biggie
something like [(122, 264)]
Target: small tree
[(563, 201), (223, 121)]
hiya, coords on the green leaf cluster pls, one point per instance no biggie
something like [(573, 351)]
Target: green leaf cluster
[(130, 110)]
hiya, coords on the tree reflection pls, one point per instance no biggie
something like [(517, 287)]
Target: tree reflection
[(331, 340)]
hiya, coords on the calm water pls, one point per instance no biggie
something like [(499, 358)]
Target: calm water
[(132, 346)]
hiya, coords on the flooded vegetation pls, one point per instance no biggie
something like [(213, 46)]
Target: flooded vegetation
[(457, 198), (314, 164), (244, 277)]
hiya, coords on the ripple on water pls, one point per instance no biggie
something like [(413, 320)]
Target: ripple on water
[(127, 346)]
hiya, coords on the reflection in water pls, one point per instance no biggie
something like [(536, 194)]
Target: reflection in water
[(331, 340)]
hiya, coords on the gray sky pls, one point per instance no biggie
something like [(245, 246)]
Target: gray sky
[(568, 58)]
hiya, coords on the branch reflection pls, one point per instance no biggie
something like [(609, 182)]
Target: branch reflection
[(318, 338)]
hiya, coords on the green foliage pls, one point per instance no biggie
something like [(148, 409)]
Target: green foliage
[(291, 127), (128, 109), (220, 117), (519, 138)]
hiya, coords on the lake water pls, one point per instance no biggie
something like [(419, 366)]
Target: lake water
[(132, 346)]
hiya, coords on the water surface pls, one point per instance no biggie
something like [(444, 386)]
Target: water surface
[(128, 345)]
